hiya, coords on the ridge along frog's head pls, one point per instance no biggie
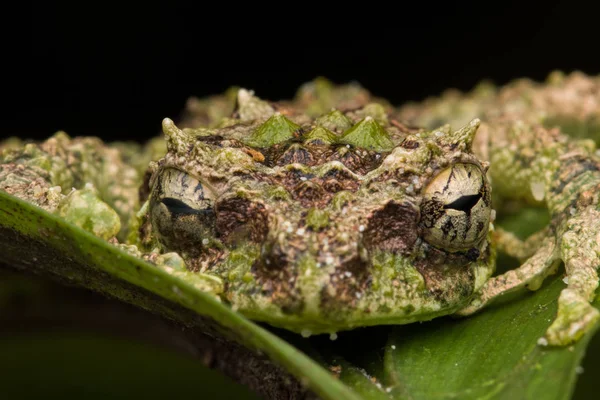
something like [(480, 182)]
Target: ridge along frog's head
[(327, 224)]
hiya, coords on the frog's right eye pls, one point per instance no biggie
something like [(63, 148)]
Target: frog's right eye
[(456, 209), (181, 211)]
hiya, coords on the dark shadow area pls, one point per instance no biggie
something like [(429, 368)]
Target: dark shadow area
[(117, 72)]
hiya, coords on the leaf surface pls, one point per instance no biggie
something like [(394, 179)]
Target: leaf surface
[(44, 243)]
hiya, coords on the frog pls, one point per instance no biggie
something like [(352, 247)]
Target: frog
[(337, 210)]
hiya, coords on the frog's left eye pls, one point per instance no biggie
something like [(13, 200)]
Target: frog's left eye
[(456, 209)]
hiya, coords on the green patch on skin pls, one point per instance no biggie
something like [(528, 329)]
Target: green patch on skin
[(388, 266), (275, 130), (84, 209), (334, 121), (368, 134), (317, 219), (575, 317), (278, 193), (238, 264), (320, 136), (341, 199)]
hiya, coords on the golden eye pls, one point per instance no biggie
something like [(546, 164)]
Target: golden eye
[(456, 208), (181, 211)]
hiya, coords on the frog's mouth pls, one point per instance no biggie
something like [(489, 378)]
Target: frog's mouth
[(324, 298)]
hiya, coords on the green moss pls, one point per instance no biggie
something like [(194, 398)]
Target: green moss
[(278, 193), (368, 134), (341, 199), (320, 136), (275, 130), (317, 219)]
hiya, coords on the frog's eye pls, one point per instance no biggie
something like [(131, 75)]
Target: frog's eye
[(181, 211), (455, 213)]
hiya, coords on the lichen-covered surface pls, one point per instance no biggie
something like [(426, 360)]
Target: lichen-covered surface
[(333, 211), (571, 102), (318, 230), (539, 140)]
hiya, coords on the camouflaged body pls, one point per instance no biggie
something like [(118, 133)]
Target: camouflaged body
[(541, 141), (330, 211), (315, 224), (81, 179), (527, 134), (568, 101)]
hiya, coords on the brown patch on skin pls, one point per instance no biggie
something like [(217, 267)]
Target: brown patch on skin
[(333, 185), (409, 144), (359, 161), (277, 280), (206, 260), (312, 191), (295, 154), (338, 180), (215, 140), (240, 219), (392, 228), (570, 169), (447, 275), (352, 276), (583, 200), (309, 194), (588, 197)]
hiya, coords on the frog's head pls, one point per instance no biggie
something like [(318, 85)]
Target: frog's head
[(327, 224)]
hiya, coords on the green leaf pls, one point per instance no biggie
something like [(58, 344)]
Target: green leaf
[(492, 355), (40, 242)]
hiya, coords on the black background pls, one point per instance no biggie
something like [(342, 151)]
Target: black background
[(116, 72)]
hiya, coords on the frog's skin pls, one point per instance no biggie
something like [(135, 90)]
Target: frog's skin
[(318, 221), (318, 231), (534, 161)]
